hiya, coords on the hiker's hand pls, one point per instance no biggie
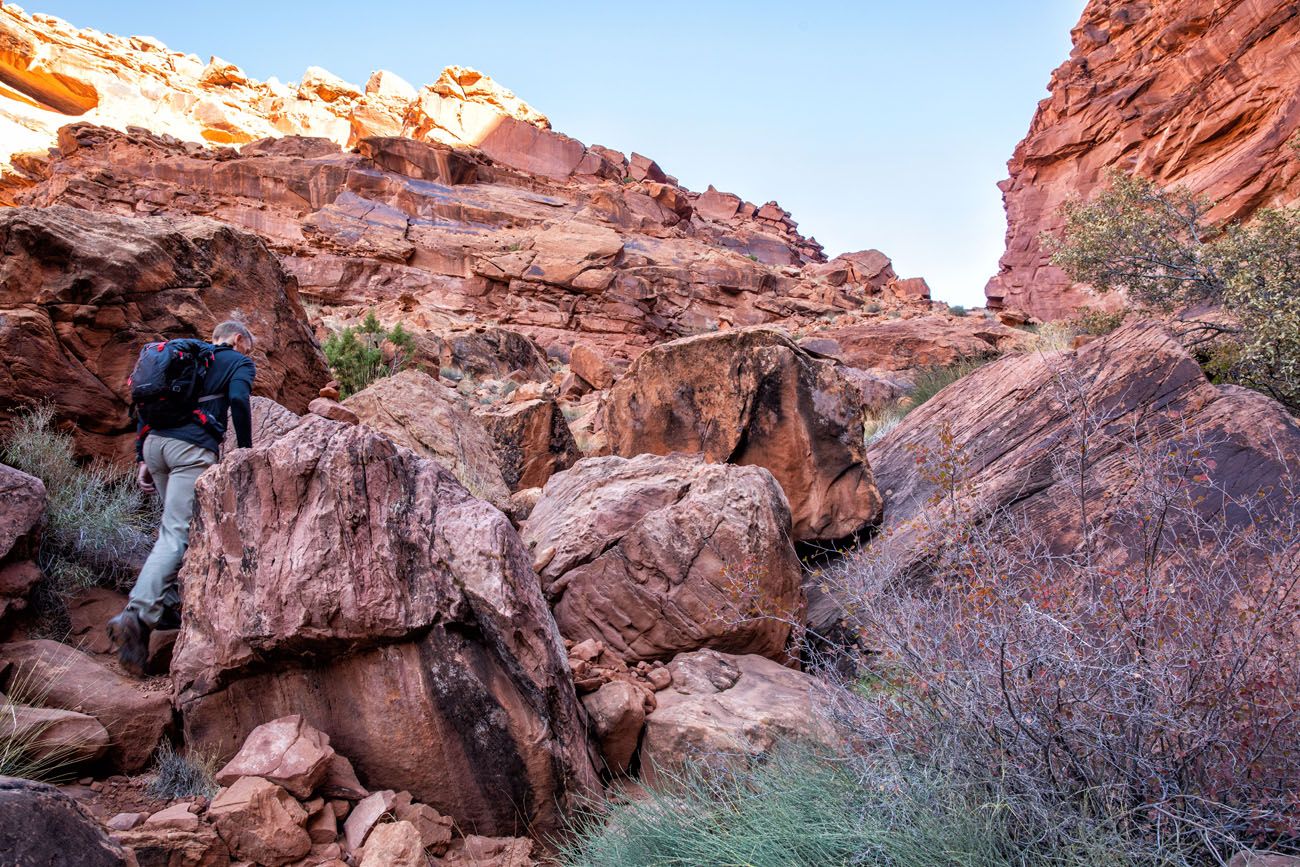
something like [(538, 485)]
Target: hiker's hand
[(144, 479)]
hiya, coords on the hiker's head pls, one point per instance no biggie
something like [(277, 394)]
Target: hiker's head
[(234, 334)]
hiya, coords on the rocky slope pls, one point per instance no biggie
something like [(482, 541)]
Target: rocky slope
[(1201, 94), (426, 622), (448, 204)]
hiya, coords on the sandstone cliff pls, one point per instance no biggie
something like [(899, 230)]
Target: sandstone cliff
[(448, 204), (1202, 94)]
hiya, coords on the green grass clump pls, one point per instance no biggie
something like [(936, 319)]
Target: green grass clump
[(176, 775), (927, 382), (800, 809), (25, 751)]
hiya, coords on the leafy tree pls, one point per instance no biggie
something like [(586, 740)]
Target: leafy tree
[(1159, 247), (359, 355)]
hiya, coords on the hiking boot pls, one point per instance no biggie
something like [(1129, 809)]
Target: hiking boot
[(131, 636)]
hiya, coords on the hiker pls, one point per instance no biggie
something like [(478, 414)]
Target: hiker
[(175, 443)]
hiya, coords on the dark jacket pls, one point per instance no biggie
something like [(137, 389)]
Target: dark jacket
[(230, 382)]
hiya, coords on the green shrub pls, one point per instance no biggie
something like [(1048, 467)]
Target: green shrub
[(98, 523), (181, 776), (1158, 246), (956, 310), (359, 355)]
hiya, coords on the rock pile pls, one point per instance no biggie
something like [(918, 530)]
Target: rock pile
[(288, 798)]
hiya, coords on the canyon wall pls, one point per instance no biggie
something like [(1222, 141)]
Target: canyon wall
[(1202, 94)]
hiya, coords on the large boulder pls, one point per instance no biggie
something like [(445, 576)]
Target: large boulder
[(80, 293), (751, 396), (24, 499), (415, 410), (658, 555), (51, 738), (42, 827), (20, 520), (533, 441), (1010, 423), (135, 717), (483, 352), (336, 575), (155, 846), (722, 707)]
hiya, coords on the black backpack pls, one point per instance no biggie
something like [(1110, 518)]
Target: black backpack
[(167, 383)]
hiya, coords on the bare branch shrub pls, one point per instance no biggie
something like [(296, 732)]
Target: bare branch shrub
[(1144, 680)]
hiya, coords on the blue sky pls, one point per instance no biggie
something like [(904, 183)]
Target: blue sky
[(876, 124)]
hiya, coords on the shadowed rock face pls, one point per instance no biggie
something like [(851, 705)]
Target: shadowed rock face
[(80, 293), (752, 396), (1010, 418), (336, 575), (42, 827), (1192, 93), (533, 441)]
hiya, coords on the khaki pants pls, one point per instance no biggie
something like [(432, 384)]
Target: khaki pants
[(175, 466)]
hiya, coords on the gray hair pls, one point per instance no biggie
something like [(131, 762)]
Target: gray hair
[(232, 328)]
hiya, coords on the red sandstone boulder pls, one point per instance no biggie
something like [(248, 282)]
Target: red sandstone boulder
[(52, 736), (338, 576), (172, 847), (260, 822), (477, 851), (24, 508), (658, 555), (617, 714), (24, 499), (134, 717), (587, 363), (415, 410), (81, 292), (533, 441), (483, 352), (751, 396), (722, 706), (270, 421), (396, 844)]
